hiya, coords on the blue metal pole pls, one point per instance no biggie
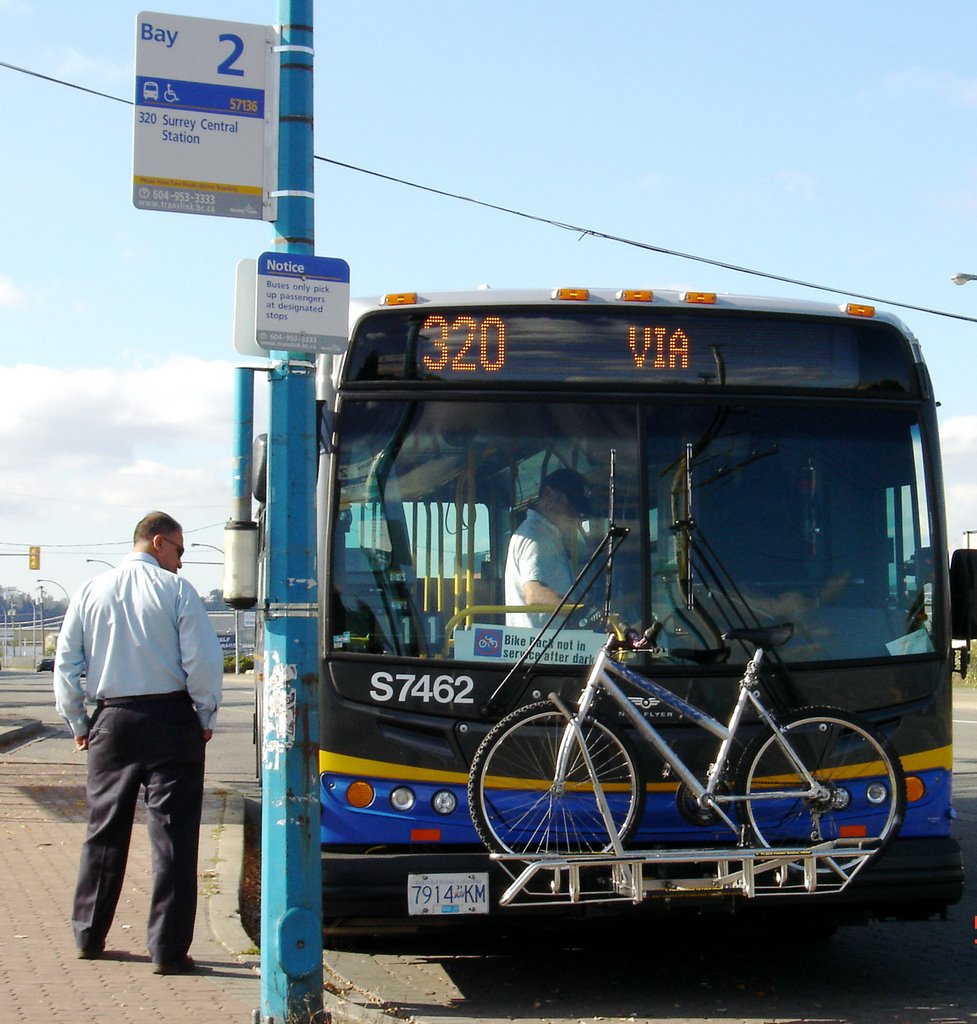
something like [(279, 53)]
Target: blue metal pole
[(291, 890), (243, 435), (240, 583)]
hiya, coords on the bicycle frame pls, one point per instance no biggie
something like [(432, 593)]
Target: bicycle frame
[(604, 677)]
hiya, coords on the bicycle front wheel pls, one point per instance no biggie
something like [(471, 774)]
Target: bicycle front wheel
[(861, 783), (519, 806)]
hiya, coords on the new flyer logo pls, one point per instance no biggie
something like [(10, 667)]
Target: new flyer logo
[(488, 643)]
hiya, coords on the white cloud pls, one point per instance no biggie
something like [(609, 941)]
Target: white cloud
[(10, 294), (96, 418), (958, 435), (88, 451)]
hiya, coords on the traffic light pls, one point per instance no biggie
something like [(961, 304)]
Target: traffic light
[(34, 557)]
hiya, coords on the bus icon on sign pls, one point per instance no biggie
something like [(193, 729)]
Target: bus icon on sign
[(150, 92)]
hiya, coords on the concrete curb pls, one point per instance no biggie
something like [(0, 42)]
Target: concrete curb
[(18, 730), (221, 866)]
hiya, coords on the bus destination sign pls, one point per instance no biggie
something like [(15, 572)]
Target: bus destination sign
[(661, 347)]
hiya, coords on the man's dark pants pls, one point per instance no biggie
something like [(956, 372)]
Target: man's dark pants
[(157, 744)]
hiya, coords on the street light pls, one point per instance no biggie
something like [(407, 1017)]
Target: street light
[(963, 278), (195, 544), (40, 590), (39, 604), (67, 596), (102, 560)]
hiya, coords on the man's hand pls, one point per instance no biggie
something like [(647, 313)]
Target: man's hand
[(81, 742), (208, 733)]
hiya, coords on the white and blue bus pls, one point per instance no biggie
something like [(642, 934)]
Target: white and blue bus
[(802, 440)]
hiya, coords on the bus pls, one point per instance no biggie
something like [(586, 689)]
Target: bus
[(774, 461)]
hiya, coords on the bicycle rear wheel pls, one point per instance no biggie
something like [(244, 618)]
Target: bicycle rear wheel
[(864, 786), (516, 805)]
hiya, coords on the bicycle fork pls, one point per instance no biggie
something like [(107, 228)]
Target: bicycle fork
[(572, 742), (819, 795)]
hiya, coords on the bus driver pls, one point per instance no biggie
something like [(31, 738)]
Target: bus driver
[(537, 568)]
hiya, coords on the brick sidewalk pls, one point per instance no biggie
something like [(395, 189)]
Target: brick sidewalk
[(42, 823)]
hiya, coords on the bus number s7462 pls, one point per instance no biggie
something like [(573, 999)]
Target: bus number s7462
[(429, 689)]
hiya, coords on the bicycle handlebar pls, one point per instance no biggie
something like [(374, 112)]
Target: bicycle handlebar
[(631, 640), (766, 637)]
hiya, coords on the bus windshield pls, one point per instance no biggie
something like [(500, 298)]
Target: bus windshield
[(738, 513)]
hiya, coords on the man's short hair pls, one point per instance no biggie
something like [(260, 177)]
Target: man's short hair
[(153, 523)]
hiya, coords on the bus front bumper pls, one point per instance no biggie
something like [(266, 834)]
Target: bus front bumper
[(916, 879)]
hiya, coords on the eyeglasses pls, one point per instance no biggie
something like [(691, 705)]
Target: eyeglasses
[(179, 549)]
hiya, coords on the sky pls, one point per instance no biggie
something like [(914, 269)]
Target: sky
[(830, 143)]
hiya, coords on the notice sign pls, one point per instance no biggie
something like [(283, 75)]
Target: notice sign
[(302, 303), (202, 105), (491, 642)]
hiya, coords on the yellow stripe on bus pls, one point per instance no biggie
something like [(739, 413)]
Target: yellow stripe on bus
[(345, 764)]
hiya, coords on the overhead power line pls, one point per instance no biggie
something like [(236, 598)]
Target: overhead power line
[(648, 246), (61, 81), (577, 229)]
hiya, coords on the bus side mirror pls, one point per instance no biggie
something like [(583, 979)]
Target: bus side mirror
[(963, 594)]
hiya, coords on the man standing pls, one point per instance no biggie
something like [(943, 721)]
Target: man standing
[(138, 642), (537, 568)]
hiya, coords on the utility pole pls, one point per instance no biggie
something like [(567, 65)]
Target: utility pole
[(40, 602), (291, 888)]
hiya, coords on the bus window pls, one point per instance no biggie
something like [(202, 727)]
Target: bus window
[(817, 518), (430, 494)]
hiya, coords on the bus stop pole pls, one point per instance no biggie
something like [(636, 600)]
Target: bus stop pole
[(291, 890)]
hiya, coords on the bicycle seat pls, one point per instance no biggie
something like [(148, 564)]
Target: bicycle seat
[(701, 656), (762, 636)]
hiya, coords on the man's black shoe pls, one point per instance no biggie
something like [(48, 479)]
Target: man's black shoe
[(182, 966), (90, 952)]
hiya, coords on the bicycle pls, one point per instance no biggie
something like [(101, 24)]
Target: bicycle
[(549, 781)]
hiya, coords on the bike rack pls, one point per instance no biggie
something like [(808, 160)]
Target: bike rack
[(550, 880)]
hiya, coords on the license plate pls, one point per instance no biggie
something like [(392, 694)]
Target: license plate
[(448, 893)]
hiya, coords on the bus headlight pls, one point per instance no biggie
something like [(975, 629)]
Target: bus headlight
[(877, 793), (444, 801), (402, 798)]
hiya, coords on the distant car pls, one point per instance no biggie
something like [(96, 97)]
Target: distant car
[(45, 665)]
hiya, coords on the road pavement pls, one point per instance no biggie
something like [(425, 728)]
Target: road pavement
[(881, 974)]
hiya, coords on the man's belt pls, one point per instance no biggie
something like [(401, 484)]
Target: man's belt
[(136, 698)]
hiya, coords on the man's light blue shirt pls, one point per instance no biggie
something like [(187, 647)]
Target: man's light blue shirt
[(138, 629)]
